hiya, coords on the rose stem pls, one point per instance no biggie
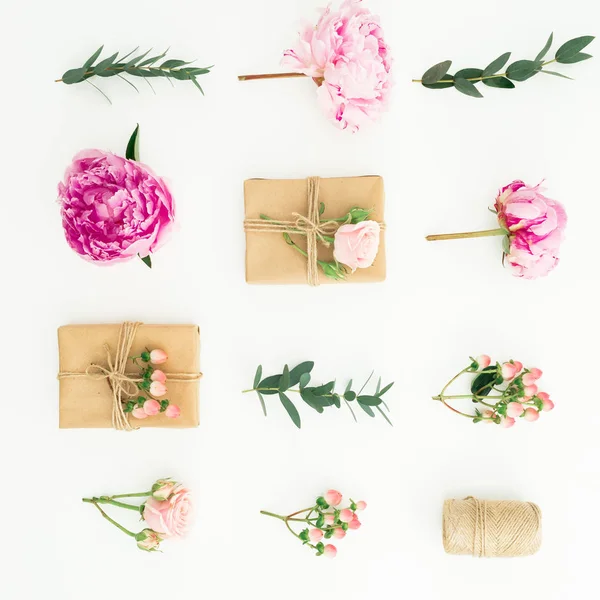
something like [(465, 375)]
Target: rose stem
[(119, 526), (468, 234)]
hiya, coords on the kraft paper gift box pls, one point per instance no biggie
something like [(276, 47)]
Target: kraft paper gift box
[(87, 401), (270, 260)]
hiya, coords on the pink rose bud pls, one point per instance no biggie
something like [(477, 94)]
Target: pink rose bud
[(173, 411), (339, 533), (329, 519), (151, 407), (163, 489), (509, 371), (356, 245), (531, 390), (158, 389), (315, 535), (148, 540), (333, 497), (159, 376), (157, 357), (507, 422), (514, 410), (139, 413), (483, 361), (355, 523), (361, 505), (531, 414), (346, 515), (330, 551)]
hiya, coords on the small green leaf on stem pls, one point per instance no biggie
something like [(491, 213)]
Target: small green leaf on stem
[(545, 49), (284, 383), (146, 260), (132, 152), (257, 376), (73, 76), (572, 48), (367, 409), (435, 73), (467, 87), (270, 382), (575, 59), (304, 380), (369, 400), (385, 389), (556, 74), (298, 370), (291, 409), (262, 403), (499, 82), (496, 65), (468, 74), (522, 70), (90, 61)]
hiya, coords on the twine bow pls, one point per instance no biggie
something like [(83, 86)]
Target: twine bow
[(122, 385)]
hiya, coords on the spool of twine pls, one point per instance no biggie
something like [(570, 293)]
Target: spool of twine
[(491, 527)]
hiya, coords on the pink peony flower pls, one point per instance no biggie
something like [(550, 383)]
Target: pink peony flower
[(346, 55), (514, 409), (531, 415), (158, 357), (169, 517), (330, 551), (113, 208), (139, 413), (151, 407), (483, 361), (339, 533), (173, 411), (148, 540), (346, 515), (509, 371), (329, 519), (333, 497), (356, 245), (163, 489), (361, 505), (315, 535), (158, 375), (507, 422), (536, 227)]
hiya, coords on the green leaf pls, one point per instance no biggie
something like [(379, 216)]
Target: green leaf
[(522, 70), (367, 409), (467, 87), (326, 388), (572, 48), (468, 74), (104, 64), (496, 64), (384, 415), (312, 401), (132, 152), (499, 82), (284, 383), (290, 408), (575, 59), (556, 74), (349, 395), (90, 61), (501, 409), (298, 370), (257, 376), (173, 63), (74, 76), (193, 80), (321, 207), (378, 387), (152, 60), (385, 389), (435, 73), (146, 260), (485, 378), (349, 386), (270, 382), (262, 403), (545, 49), (304, 380), (335, 400), (369, 400), (506, 244), (441, 85), (134, 60)]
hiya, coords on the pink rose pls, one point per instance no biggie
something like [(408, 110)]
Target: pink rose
[(113, 208), (169, 517), (346, 55), (333, 497), (356, 245), (148, 540), (536, 225)]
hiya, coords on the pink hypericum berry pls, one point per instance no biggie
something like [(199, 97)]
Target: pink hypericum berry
[(355, 523), (151, 407), (519, 365), (361, 505), (346, 515), (339, 533), (507, 422), (531, 390), (333, 497), (330, 551), (158, 375), (158, 389), (509, 371), (514, 410), (315, 535), (488, 414), (548, 405), (329, 519), (139, 413), (532, 376), (173, 411), (157, 357), (531, 415), (483, 361)]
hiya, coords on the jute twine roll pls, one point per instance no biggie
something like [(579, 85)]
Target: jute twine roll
[(491, 527)]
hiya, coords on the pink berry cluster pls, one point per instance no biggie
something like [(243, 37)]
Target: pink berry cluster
[(152, 385), (324, 520), (505, 391)]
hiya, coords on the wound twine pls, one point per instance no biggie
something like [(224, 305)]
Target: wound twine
[(309, 225), (491, 527), (122, 385)]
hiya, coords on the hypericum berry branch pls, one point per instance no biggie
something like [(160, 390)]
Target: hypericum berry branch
[(437, 77), (323, 520), (319, 397), (506, 390)]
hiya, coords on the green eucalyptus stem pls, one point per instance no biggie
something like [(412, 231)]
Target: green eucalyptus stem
[(112, 521)]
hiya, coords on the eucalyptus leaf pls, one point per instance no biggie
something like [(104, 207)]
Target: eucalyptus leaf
[(496, 64), (172, 63), (369, 400), (104, 64), (290, 408), (298, 370), (467, 87), (385, 389), (74, 76), (574, 59), (304, 380), (435, 73), (335, 400), (499, 82), (326, 388), (284, 382), (90, 61), (350, 395), (270, 382), (572, 48), (262, 403), (132, 152), (307, 396), (367, 409), (468, 74), (556, 74), (146, 260), (257, 376), (522, 70), (349, 386), (378, 387), (441, 85), (545, 49)]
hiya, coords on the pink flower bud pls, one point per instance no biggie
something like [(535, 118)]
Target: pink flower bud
[(148, 540), (514, 410), (509, 371), (346, 515), (139, 413), (507, 422), (158, 375), (548, 405), (531, 390), (519, 365), (355, 523), (158, 389), (315, 535), (329, 519), (483, 361), (330, 551), (361, 505), (531, 414), (532, 376), (333, 497), (339, 533), (488, 414), (151, 407), (157, 357), (173, 411)]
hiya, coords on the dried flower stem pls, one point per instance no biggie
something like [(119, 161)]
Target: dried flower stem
[(468, 234), (269, 76)]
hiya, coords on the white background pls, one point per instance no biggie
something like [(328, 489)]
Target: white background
[(443, 156)]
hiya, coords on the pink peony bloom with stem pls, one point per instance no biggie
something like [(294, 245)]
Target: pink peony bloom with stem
[(113, 208), (333, 497), (330, 551), (346, 55), (169, 517), (536, 226)]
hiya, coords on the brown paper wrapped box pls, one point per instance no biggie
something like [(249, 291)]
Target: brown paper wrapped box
[(85, 402), (270, 260)]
